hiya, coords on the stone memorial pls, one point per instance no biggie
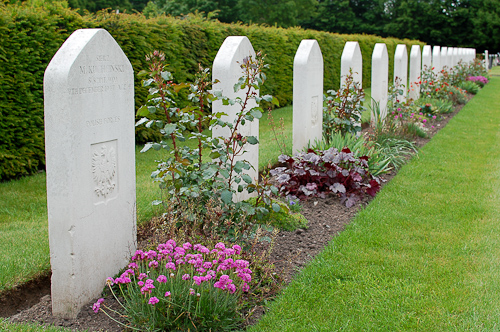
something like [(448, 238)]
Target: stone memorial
[(90, 162), (444, 59), (486, 61), (436, 59), (427, 57), (415, 65), (351, 59), (451, 59), (226, 69), (307, 94), (401, 69), (456, 56), (380, 79)]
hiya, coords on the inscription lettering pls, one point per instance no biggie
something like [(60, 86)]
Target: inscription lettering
[(101, 69), (102, 121)]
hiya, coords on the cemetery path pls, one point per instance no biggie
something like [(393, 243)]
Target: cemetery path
[(291, 252)]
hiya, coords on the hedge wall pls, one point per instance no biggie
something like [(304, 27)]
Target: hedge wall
[(32, 35)]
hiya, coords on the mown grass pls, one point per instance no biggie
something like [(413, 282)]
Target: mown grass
[(11, 327), (425, 254)]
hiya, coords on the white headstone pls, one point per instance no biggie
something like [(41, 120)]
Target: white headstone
[(456, 56), (444, 59), (415, 65), (307, 94), (380, 78), (451, 59), (401, 68), (427, 57), (351, 58), (90, 154), (226, 69), (486, 61), (436, 59)]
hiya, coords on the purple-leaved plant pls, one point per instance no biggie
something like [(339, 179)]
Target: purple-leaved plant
[(316, 174)]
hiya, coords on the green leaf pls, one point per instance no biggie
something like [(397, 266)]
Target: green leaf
[(169, 128), (256, 113), (246, 178), (142, 111), (252, 140), (209, 173), (214, 155), (226, 196), (152, 109), (146, 147), (224, 173), (141, 121), (276, 207), (166, 75)]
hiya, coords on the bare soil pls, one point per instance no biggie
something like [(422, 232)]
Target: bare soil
[(292, 251)]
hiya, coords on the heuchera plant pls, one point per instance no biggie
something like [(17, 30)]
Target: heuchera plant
[(311, 173), (182, 288)]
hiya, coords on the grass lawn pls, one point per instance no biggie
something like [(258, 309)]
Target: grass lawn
[(425, 254)]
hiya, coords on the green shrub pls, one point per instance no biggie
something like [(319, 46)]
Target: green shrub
[(32, 34)]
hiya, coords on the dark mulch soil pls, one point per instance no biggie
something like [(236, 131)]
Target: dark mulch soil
[(291, 252)]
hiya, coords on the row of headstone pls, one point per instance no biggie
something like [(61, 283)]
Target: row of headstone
[(89, 128), (449, 57)]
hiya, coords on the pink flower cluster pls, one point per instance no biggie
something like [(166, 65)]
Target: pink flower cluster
[(480, 79), (205, 266)]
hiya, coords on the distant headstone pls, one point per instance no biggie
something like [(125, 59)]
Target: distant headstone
[(226, 69), (401, 69), (486, 61), (90, 157), (451, 59), (436, 59), (307, 94), (415, 65), (445, 59), (456, 56), (380, 77), (351, 59), (427, 57)]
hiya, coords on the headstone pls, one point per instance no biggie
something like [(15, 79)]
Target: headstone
[(436, 59), (351, 59), (456, 56), (401, 69), (427, 57), (451, 59), (90, 162), (380, 77), (307, 94), (444, 59), (226, 69), (486, 61), (415, 65)]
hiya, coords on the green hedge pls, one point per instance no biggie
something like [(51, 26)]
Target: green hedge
[(32, 35)]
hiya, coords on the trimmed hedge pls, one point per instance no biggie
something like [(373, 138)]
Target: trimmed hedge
[(32, 35)]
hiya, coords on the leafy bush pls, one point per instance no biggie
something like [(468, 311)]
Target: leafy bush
[(469, 87), (320, 173), (342, 113), (359, 147), (184, 174), (398, 150), (183, 288)]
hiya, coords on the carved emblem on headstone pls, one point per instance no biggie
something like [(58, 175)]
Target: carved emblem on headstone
[(104, 170)]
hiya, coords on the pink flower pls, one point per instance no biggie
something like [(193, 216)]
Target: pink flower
[(153, 264), (220, 246), (97, 305), (142, 276), (187, 246), (198, 280), (110, 281), (133, 265), (434, 117), (170, 266), (140, 283), (161, 278), (191, 291), (167, 294), (424, 120), (237, 249), (245, 287), (153, 300), (186, 277)]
